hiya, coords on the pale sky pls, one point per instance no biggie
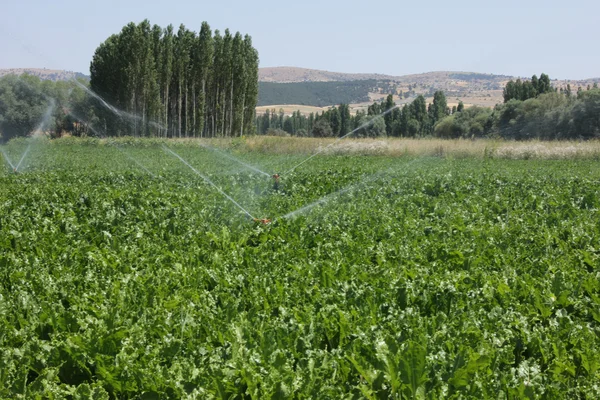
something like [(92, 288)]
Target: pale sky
[(512, 37)]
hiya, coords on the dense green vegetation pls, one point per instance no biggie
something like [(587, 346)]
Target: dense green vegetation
[(162, 84), (519, 90), (177, 84), (549, 116), (533, 110), (424, 278), (412, 120), (24, 101), (318, 94)]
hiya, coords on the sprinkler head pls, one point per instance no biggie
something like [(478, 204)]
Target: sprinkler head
[(15, 170), (276, 183), (263, 221)]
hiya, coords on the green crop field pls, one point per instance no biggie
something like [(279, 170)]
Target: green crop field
[(378, 277)]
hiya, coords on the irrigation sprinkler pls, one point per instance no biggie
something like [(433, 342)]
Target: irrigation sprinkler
[(23, 157), (207, 180), (276, 182), (366, 124)]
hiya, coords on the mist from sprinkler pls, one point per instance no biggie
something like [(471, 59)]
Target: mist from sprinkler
[(23, 157), (46, 117), (207, 180), (38, 130), (226, 155), (124, 114), (112, 142), (114, 110), (118, 112), (7, 158), (366, 124), (180, 158), (325, 199)]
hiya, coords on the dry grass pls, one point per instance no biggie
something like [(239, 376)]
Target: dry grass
[(288, 109), (416, 147), (393, 147)]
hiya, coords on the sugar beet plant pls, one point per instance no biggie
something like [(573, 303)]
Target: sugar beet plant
[(433, 278)]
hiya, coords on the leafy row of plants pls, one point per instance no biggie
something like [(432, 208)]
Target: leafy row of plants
[(421, 278)]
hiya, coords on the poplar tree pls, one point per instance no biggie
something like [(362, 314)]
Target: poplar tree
[(176, 84)]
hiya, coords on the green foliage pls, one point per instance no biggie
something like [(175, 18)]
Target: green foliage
[(322, 128), (518, 90), (472, 122), (549, 116), (438, 109), (177, 84), (28, 104), (373, 126), (422, 278)]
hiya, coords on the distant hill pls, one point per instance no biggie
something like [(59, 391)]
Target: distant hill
[(294, 74), (317, 94), (44, 74), (310, 87), (287, 85)]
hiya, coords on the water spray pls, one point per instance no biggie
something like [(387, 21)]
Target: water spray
[(226, 155), (16, 169), (118, 112), (124, 114), (207, 180), (342, 137), (327, 198), (100, 135), (8, 159), (46, 117), (115, 110)]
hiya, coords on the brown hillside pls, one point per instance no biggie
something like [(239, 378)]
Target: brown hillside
[(471, 88), (294, 74)]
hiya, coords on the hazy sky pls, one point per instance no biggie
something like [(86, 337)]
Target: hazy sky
[(393, 37)]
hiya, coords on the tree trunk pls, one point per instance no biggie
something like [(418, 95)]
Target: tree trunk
[(205, 97), (166, 105), (194, 108), (179, 100), (187, 118), (243, 114), (231, 113)]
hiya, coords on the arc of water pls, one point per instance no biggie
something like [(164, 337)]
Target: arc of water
[(115, 110), (134, 160), (224, 154), (42, 125), (207, 180), (100, 135), (124, 114), (23, 157), (327, 198), (340, 138), (7, 158), (118, 112)]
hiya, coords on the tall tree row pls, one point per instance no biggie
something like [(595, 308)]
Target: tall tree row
[(176, 83)]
